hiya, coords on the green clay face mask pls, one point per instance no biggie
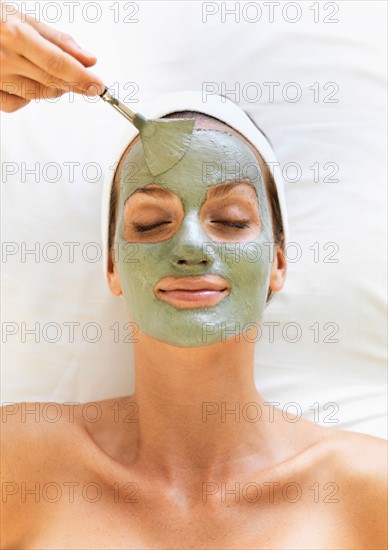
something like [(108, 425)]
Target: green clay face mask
[(186, 231)]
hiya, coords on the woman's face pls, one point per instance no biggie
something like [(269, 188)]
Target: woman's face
[(194, 245)]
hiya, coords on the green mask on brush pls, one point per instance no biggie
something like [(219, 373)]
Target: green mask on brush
[(212, 158)]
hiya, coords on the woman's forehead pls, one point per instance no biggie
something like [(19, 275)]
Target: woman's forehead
[(201, 123), (214, 156)]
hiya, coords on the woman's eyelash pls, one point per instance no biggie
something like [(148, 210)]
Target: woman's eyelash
[(237, 225), (144, 228)]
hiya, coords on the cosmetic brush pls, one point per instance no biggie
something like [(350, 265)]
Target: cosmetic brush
[(164, 141)]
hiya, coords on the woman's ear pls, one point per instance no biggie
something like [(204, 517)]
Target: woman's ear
[(113, 276), (278, 271)]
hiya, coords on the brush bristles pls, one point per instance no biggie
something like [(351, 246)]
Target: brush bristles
[(165, 142)]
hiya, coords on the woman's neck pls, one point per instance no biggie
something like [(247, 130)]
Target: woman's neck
[(199, 411)]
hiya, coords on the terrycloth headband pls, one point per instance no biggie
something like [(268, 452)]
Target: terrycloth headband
[(216, 106)]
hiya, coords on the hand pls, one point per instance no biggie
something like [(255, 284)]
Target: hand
[(40, 62)]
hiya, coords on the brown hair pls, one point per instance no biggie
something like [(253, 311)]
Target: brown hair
[(269, 183)]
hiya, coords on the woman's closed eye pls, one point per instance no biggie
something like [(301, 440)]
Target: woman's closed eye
[(235, 224), (144, 228), (230, 224)]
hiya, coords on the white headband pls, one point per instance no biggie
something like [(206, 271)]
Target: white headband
[(216, 106)]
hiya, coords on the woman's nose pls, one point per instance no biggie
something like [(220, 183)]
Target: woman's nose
[(191, 246)]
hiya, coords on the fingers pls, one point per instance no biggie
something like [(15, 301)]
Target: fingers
[(21, 66), (63, 41), (27, 88), (38, 62), (52, 60)]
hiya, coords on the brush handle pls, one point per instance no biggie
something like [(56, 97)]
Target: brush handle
[(120, 107)]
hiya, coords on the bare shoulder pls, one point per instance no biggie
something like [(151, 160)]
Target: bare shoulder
[(46, 443), (33, 437), (361, 466), (360, 456), (34, 432), (34, 425), (355, 465)]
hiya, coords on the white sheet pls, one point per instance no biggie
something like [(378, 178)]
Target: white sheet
[(172, 49)]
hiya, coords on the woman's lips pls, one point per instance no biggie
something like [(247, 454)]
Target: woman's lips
[(192, 292), (192, 298)]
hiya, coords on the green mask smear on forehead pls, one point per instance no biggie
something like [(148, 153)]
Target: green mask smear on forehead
[(213, 157)]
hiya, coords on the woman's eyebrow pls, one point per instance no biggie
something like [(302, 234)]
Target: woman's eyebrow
[(216, 190), (157, 192), (224, 188)]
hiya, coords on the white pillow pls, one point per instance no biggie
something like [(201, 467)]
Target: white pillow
[(324, 300)]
